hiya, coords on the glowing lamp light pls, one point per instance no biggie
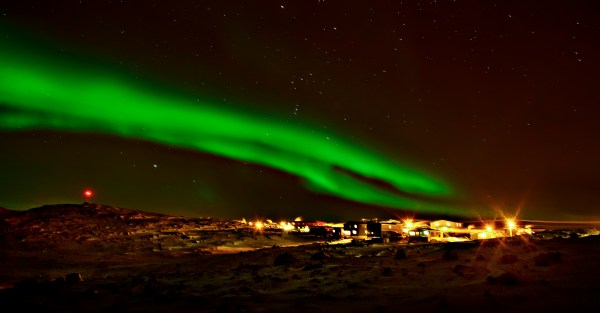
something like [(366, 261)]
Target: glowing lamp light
[(88, 193), (286, 226), (511, 224)]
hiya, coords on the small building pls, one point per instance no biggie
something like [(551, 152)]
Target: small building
[(298, 224), (482, 234), (338, 232), (439, 224), (445, 234), (356, 229), (326, 231), (305, 226), (384, 229), (419, 234)]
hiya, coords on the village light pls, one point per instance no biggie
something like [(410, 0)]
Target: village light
[(511, 224), (286, 226), (489, 229), (259, 225)]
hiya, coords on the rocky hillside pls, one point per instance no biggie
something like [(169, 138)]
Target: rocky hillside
[(102, 228)]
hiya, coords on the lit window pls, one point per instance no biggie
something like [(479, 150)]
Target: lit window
[(354, 232)]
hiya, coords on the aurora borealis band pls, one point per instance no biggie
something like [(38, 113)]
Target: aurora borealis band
[(42, 92)]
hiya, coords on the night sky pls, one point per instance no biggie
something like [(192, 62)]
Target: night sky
[(329, 110)]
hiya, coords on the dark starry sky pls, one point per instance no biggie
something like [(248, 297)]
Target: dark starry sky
[(500, 98)]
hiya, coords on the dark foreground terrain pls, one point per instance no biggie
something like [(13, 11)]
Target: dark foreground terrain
[(74, 258)]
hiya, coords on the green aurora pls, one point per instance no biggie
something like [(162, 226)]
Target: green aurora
[(51, 92)]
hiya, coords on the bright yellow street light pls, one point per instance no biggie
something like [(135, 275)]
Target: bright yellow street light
[(511, 224)]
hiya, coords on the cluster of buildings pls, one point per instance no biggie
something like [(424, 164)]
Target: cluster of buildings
[(408, 230)]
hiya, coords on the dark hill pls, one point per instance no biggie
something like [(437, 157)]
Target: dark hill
[(6, 212), (99, 227), (85, 209)]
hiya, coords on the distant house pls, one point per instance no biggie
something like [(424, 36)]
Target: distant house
[(374, 229), (338, 232), (298, 224), (439, 224), (356, 229), (480, 234), (444, 230), (419, 234), (326, 231), (384, 229), (305, 226)]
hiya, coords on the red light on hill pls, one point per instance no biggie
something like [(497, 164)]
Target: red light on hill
[(87, 193)]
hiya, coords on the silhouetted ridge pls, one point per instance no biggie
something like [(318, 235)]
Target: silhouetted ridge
[(85, 209)]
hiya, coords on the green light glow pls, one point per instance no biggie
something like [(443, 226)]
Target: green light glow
[(41, 92)]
